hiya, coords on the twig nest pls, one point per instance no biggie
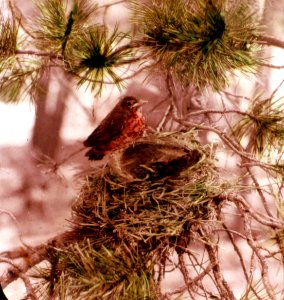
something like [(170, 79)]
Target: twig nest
[(150, 191), (152, 198)]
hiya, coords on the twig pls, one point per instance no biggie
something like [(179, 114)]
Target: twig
[(236, 96), (222, 285), (3, 211), (17, 272), (276, 89), (185, 274), (106, 6), (270, 41), (165, 117), (259, 217), (271, 66), (237, 250), (220, 111), (259, 190), (17, 15), (67, 85), (229, 142), (33, 255), (192, 282), (264, 267)]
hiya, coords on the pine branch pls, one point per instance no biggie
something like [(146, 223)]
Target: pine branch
[(264, 126), (200, 43)]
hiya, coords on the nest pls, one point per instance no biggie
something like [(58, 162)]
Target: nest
[(148, 201)]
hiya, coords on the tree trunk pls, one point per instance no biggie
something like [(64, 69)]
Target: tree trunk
[(49, 117)]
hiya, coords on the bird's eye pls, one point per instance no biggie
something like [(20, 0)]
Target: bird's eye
[(130, 103)]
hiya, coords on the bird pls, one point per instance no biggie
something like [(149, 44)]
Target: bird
[(122, 126)]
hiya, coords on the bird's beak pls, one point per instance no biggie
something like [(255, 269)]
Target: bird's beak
[(140, 103)]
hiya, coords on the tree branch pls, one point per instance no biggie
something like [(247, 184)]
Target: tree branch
[(270, 41)]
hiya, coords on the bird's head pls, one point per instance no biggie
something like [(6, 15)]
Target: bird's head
[(132, 103)]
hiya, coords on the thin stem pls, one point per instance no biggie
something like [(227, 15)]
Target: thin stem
[(217, 111), (259, 190), (251, 241), (38, 53), (271, 66), (270, 41)]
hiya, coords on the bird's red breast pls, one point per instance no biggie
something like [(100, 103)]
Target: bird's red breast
[(123, 125)]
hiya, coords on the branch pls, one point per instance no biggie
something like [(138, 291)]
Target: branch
[(217, 111), (212, 250), (16, 272), (271, 66), (38, 53), (251, 241), (230, 143), (32, 256), (270, 41), (192, 282), (259, 217), (17, 15)]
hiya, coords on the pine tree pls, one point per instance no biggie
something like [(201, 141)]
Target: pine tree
[(165, 203)]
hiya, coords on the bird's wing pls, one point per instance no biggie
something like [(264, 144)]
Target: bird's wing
[(109, 129)]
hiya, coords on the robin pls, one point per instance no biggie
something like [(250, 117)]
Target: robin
[(123, 125)]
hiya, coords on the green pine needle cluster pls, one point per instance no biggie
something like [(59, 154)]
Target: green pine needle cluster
[(8, 37), (94, 58), (19, 75), (103, 274), (199, 41), (87, 48), (64, 34), (18, 78), (263, 127), (58, 25)]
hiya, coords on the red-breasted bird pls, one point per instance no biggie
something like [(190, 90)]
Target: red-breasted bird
[(123, 125)]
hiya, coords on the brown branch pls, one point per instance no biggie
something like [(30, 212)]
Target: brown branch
[(237, 250), (185, 274), (16, 271), (235, 96), (192, 282), (212, 250), (229, 142), (220, 111), (251, 241), (17, 15), (260, 192), (235, 147), (259, 217), (32, 256), (3, 211), (271, 66), (38, 53), (270, 41), (276, 89), (164, 118)]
